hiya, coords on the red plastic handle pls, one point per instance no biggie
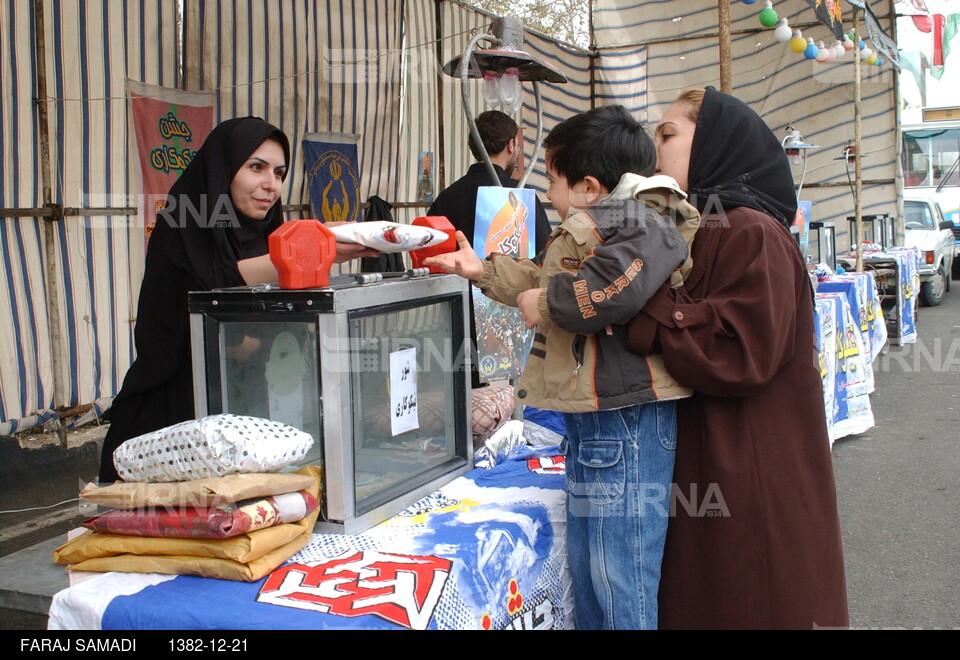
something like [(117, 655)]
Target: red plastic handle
[(440, 223), (302, 252)]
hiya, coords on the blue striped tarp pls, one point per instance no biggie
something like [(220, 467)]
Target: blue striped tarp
[(91, 48)]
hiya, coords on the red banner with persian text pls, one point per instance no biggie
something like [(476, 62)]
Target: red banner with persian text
[(170, 125)]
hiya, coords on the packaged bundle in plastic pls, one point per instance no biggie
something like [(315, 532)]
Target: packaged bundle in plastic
[(386, 236), (501, 446), (540, 436), (246, 557), (197, 493), (492, 407), (213, 446), (216, 522)]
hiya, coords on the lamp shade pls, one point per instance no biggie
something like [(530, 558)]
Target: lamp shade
[(768, 16), (528, 67), (822, 54), (798, 44), (783, 33)]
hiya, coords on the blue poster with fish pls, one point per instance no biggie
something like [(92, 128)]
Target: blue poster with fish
[(504, 224), (332, 176)]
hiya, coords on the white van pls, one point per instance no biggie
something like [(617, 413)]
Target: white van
[(927, 230)]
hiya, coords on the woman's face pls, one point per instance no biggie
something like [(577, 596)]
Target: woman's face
[(674, 141), (256, 185)]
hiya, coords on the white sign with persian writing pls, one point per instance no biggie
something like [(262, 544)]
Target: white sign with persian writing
[(403, 391)]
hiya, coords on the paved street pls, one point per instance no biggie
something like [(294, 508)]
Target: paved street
[(899, 484), (898, 487)]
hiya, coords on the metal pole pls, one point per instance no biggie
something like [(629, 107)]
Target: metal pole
[(726, 75), (857, 180), (464, 74), (441, 152), (539, 142), (899, 229), (49, 233), (593, 57), (191, 59)]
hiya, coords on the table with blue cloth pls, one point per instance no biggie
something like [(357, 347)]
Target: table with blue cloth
[(486, 551), (843, 360), (863, 295), (851, 332), (908, 291), (897, 273)]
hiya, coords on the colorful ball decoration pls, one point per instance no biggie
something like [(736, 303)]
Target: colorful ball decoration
[(783, 33), (811, 51), (847, 44), (879, 60), (821, 53), (768, 17), (872, 59), (749, 2), (838, 49), (798, 44)]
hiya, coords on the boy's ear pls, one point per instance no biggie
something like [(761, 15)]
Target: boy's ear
[(593, 189)]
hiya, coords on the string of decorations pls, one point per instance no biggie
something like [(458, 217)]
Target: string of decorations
[(783, 33)]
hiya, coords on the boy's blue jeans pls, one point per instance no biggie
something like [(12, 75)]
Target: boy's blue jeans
[(619, 467)]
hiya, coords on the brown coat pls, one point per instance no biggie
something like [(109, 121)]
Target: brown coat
[(755, 540)]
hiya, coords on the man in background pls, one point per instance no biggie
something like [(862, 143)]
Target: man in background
[(458, 202)]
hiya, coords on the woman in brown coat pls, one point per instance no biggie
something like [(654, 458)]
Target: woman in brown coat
[(754, 541)]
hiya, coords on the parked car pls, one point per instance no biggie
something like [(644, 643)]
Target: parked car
[(927, 230)]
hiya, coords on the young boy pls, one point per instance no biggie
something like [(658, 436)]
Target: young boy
[(617, 243)]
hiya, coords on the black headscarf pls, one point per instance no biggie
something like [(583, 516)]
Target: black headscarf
[(214, 235), (736, 160)]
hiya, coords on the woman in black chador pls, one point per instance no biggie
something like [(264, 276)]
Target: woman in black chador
[(212, 234)]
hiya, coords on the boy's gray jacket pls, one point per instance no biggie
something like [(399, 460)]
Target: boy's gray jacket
[(598, 270)]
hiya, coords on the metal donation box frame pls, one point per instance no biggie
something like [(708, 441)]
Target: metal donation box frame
[(823, 244), (377, 373), (880, 229)]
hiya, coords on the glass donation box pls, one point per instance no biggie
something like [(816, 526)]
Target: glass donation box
[(378, 373)]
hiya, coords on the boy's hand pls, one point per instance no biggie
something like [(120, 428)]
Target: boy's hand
[(528, 302), (464, 262)]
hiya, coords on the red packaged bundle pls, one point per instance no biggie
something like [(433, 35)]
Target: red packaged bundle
[(215, 522)]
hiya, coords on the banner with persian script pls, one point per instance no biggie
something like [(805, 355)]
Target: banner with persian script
[(170, 125)]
